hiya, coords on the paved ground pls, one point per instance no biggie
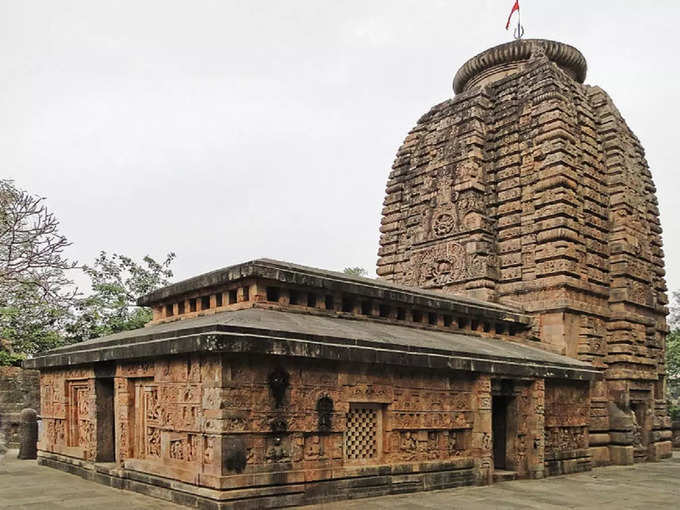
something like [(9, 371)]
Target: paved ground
[(25, 485), (651, 486)]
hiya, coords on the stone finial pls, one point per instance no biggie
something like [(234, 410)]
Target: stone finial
[(505, 59)]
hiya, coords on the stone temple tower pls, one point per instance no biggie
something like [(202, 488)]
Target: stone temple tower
[(528, 188)]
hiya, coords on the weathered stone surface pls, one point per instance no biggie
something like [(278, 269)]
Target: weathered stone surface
[(28, 435), (529, 188), (19, 389), (268, 331)]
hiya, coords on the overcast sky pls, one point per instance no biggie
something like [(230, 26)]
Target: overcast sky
[(225, 130)]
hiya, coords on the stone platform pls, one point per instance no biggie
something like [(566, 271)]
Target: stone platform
[(25, 485)]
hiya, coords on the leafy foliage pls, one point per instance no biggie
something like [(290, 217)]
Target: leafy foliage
[(674, 311), (355, 271), (674, 411), (29, 323), (12, 360), (673, 354), (673, 339), (673, 357), (117, 282)]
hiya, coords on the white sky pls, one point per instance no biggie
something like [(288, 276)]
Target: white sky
[(226, 131)]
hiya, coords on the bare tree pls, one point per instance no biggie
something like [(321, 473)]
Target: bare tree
[(35, 290), (31, 247)]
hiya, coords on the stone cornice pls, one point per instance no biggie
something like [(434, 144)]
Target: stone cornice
[(220, 340), (312, 278)]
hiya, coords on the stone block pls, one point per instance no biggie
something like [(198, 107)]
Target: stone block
[(600, 455), (621, 455)]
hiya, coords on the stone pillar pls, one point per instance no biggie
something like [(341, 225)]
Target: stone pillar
[(28, 434), (481, 429), (124, 400), (598, 431), (621, 449), (3, 442), (661, 436), (536, 427)]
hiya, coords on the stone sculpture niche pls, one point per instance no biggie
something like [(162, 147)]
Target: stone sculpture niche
[(235, 457), (324, 408), (278, 383)]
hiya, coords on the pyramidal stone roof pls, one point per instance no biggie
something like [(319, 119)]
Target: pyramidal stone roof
[(259, 331), (287, 272), (259, 326)]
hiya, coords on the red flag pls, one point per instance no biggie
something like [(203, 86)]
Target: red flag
[(514, 8)]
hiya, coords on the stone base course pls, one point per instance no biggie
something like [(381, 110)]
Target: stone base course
[(376, 481)]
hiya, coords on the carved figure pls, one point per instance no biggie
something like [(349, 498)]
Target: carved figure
[(324, 408), (278, 383)]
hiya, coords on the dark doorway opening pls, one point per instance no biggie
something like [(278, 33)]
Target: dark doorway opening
[(106, 436), (499, 427)]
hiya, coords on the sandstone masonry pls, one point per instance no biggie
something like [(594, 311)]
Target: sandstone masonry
[(528, 187)]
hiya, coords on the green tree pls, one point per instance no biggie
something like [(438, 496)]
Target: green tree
[(673, 356), (35, 290), (31, 324), (673, 339), (116, 283), (355, 271)]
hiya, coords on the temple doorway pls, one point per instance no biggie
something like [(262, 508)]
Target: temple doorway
[(106, 436), (499, 424)]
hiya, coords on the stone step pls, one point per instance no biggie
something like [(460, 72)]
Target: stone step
[(501, 475)]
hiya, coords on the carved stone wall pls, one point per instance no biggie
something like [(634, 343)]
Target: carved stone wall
[(168, 419), (566, 427), (527, 447), (68, 412), (423, 417), (236, 421), (532, 189)]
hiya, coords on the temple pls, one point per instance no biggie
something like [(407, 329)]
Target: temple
[(516, 329)]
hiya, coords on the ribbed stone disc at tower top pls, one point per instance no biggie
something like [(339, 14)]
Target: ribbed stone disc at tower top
[(528, 187), (507, 58)]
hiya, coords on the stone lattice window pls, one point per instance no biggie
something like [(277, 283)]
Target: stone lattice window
[(363, 436)]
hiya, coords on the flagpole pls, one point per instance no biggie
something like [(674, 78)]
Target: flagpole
[(520, 32)]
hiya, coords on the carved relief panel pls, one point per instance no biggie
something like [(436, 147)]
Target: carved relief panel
[(445, 264), (80, 427), (147, 413)]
